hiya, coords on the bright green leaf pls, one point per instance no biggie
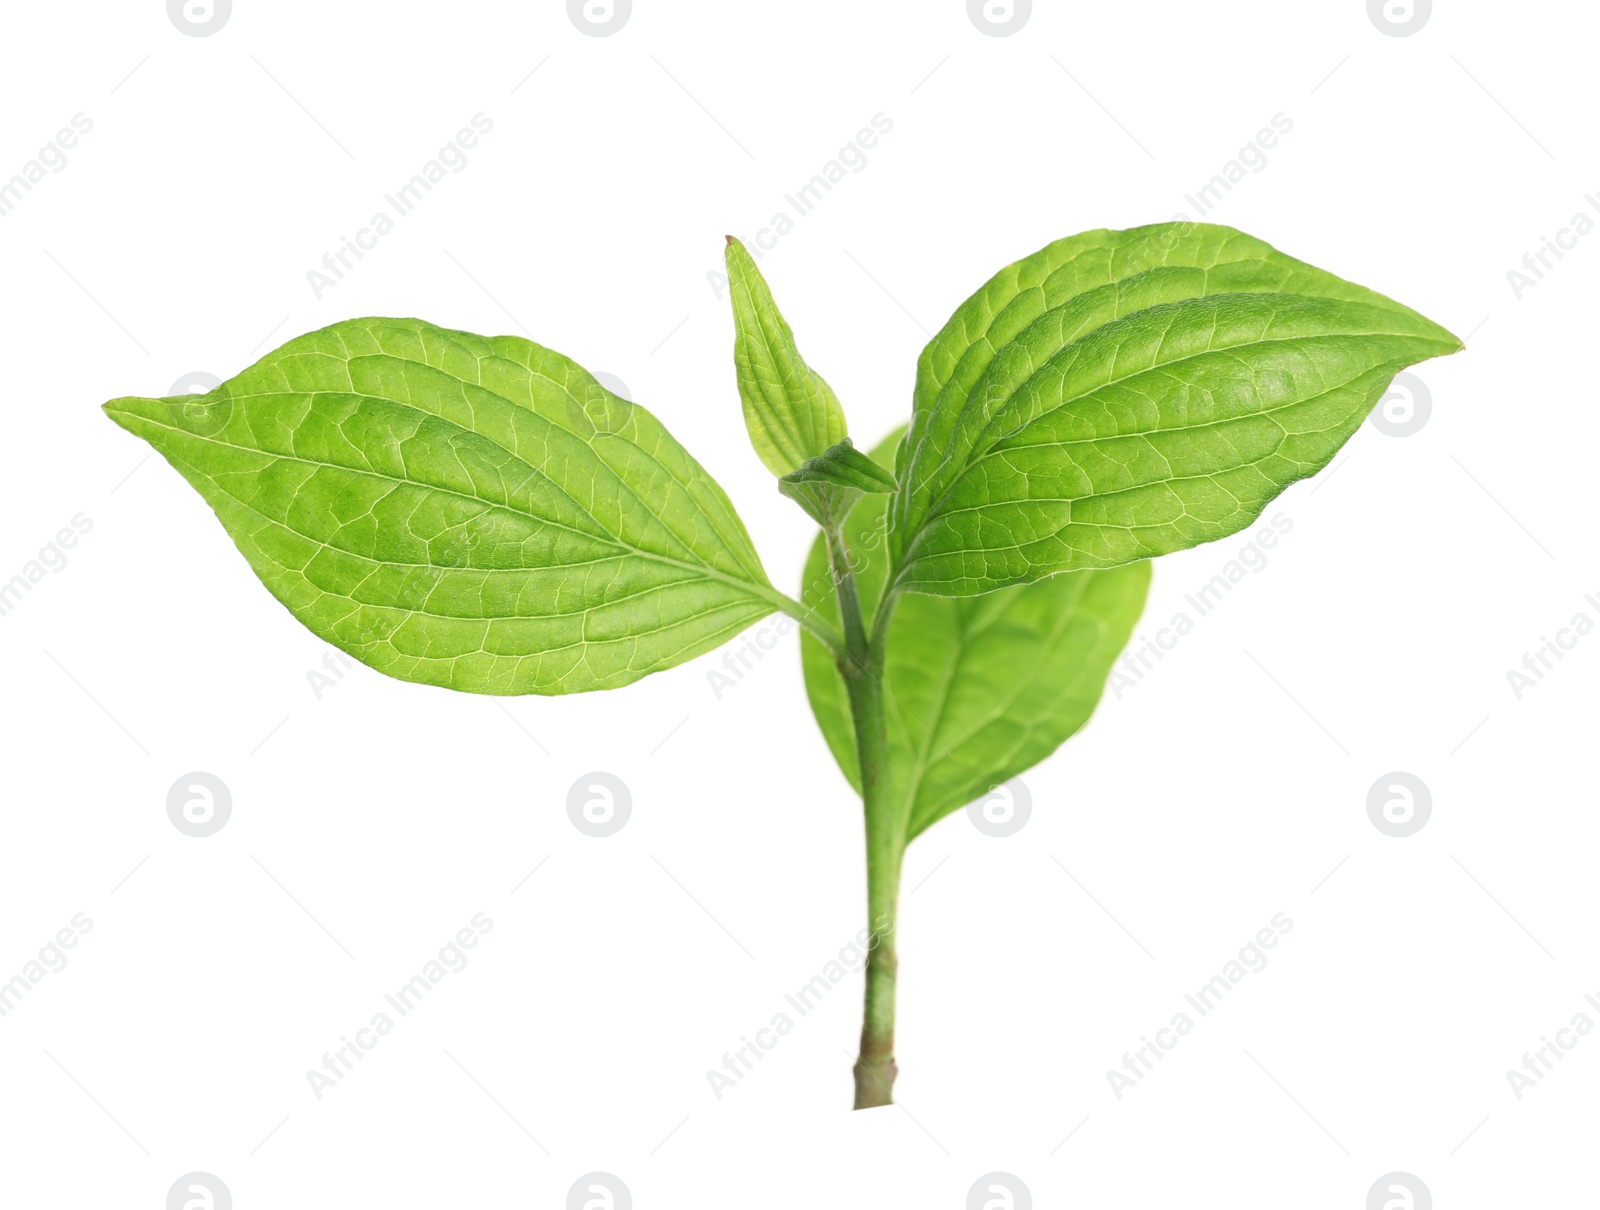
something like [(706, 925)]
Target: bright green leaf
[(461, 511), (1124, 394), (792, 414), (844, 466), (978, 689), (828, 485)]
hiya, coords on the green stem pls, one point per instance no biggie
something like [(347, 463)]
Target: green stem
[(862, 668), (844, 584)]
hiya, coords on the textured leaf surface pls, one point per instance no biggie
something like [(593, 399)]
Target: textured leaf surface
[(791, 413), (844, 466), (978, 689), (828, 485), (1124, 394), (471, 512)]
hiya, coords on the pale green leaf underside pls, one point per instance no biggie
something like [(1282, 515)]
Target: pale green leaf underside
[(791, 412), (978, 689), (1124, 394), (477, 513)]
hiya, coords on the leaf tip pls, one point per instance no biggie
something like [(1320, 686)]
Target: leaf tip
[(122, 407), (738, 257), (1455, 343)]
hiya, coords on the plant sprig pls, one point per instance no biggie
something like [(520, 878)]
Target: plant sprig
[(480, 513)]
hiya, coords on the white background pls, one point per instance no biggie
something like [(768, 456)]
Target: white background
[(372, 823)]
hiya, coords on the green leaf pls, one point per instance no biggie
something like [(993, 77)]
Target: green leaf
[(978, 689), (1124, 394), (471, 512), (828, 485), (792, 414), (844, 466)]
